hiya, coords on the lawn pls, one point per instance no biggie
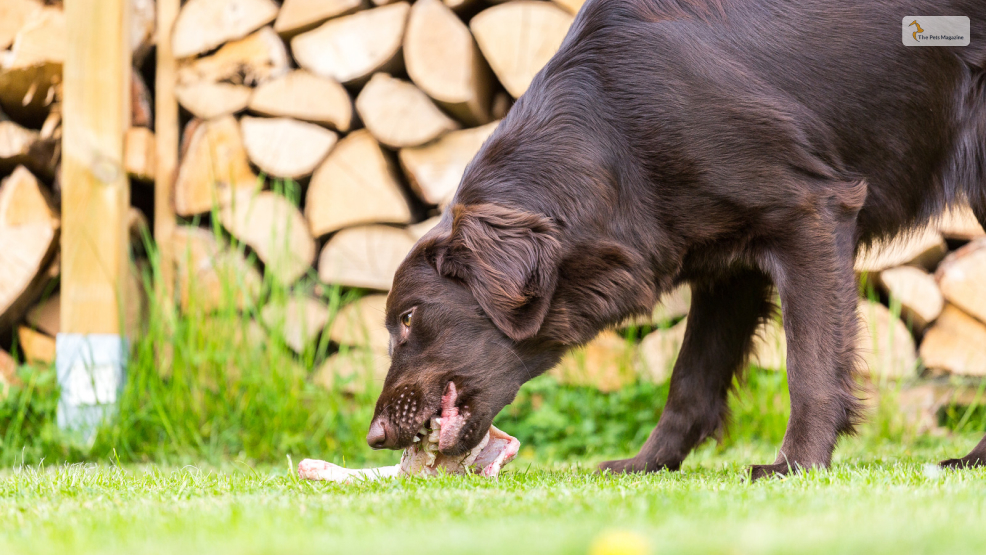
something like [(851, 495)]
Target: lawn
[(875, 499), (197, 461)]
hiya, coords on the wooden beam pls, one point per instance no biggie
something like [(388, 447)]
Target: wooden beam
[(95, 189), (167, 136)]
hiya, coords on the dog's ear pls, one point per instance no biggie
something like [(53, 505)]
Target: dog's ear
[(508, 259)]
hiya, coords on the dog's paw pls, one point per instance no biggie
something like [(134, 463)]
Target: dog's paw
[(759, 471), (634, 466), (964, 462)]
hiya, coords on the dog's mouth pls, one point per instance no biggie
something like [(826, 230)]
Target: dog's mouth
[(435, 445), (444, 428)]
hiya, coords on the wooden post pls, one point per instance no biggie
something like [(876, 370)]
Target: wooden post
[(166, 130), (95, 200)]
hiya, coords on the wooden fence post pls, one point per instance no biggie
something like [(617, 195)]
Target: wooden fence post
[(91, 351), (166, 130)]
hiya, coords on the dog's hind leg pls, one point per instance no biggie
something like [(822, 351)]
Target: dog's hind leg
[(812, 264), (721, 323), (978, 455), (976, 458)]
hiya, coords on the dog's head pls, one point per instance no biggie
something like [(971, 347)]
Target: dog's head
[(464, 314)]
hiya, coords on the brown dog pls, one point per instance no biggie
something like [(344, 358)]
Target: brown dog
[(735, 146)]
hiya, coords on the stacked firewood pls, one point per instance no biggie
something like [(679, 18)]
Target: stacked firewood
[(368, 112), (33, 44)]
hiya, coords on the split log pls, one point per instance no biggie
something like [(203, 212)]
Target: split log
[(921, 404), (25, 253), (571, 6), (15, 144), (962, 278), (607, 364), (365, 257), (203, 25), (250, 61), (885, 344), (357, 184), (770, 346), (672, 306), (419, 229), (284, 147), (304, 96), (141, 104), (41, 39), (211, 274), (398, 114), (955, 344), (502, 102), (298, 16), (8, 373), (137, 226), (518, 39), (442, 59), (24, 201), (51, 129), (960, 223), (350, 371), (14, 14), (435, 169), (360, 324), (659, 351), (459, 5), (46, 316), (143, 26), (924, 249), (21, 146), (917, 293), (214, 167), (298, 322), (140, 153), (275, 229), (208, 100), (37, 347), (32, 69), (350, 48)]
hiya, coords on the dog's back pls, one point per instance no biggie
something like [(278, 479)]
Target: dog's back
[(828, 81)]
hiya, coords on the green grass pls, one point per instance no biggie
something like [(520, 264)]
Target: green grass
[(874, 500)]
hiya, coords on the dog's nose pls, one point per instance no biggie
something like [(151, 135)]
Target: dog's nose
[(377, 436)]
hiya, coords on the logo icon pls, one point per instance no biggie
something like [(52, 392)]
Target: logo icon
[(919, 31)]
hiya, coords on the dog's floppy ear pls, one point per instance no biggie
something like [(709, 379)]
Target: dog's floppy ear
[(508, 258)]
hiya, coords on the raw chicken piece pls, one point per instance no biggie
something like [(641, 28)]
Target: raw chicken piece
[(423, 459)]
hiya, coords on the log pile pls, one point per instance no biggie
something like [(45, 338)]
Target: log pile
[(321, 138)]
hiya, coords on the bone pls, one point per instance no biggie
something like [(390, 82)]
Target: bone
[(494, 451)]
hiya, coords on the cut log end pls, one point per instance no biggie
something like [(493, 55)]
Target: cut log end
[(202, 25), (518, 39), (351, 48), (398, 114), (304, 96), (286, 148), (442, 59), (356, 185)]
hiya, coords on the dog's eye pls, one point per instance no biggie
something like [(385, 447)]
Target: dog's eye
[(406, 319)]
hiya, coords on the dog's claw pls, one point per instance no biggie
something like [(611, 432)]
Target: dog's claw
[(964, 462), (635, 466)]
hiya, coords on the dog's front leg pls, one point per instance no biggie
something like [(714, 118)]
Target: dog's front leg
[(813, 269), (724, 314)]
